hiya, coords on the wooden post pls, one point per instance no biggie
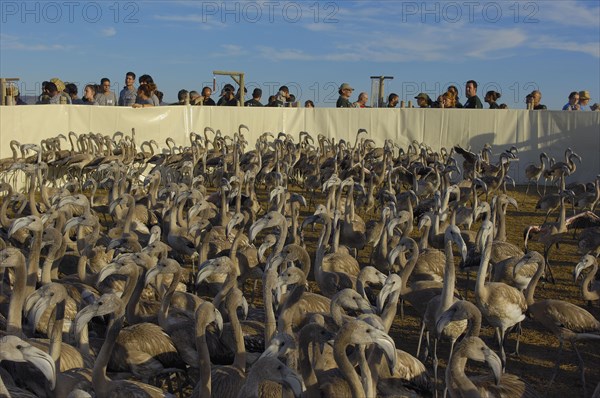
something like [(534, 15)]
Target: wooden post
[(6, 97)]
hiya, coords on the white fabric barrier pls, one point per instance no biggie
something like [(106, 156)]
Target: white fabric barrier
[(530, 131)]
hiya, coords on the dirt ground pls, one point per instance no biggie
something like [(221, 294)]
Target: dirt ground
[(538, 348)]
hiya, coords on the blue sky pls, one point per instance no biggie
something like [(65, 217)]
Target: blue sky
[(510, 46)]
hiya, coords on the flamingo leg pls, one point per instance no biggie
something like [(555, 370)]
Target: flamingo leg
[(581, 366), (435, 366), (557, 365), (420, 338)]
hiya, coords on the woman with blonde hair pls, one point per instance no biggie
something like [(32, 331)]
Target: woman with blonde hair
[(448, 100)]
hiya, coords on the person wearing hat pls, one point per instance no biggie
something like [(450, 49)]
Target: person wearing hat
[(345, 92), (256, 96), (225, 97), (584, 100), (423, 100)]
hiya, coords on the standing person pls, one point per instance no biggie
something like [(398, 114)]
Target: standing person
[(584, 100), (362, 100), (573, 104), (224, 94), (106, 97), (71, 89), (128, 95), (60, 86), (393, 100), (147, 79), (536, 98), (53, 94), (229, 99), (473, 101), (206, 100), (309, 104), (256, 96), (144, 96), (447, 100), (89, 95), (491, 97), (345, 92), (183, 98), (423, 100), (282, 97), (454, 90)]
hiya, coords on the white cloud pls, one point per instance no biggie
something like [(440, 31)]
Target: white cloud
[(570, 13), (550, 43), (9, 42), (197, 20), (229, 50), (109, 32)]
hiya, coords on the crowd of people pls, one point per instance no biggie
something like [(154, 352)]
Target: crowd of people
[(147, 95), (578, 101)]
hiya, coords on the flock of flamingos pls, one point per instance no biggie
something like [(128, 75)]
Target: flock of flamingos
[(219, 269)]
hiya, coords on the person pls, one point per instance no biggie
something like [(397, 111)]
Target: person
[(491, 97), (159, 94), (584, 100), (89, 95), (17, 100), (283, 96), (224, 94), (71, 89), (309, 104), (503, 106), (447, 100), (393, 100), (272, 102), (423, 100), (536, 97), (256, 96), (362, 100), (573, 104), (345, 92), (147, 79), (206, 100), (64, 97), (128, 94), (454, 90), (229, 99), (53, 94), (595, 107), (473, 101), (44, 97), (106, 97), (183, 98), (144, 96), (194, 95)]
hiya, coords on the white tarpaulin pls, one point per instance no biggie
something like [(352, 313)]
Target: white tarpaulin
[(530, 131)]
